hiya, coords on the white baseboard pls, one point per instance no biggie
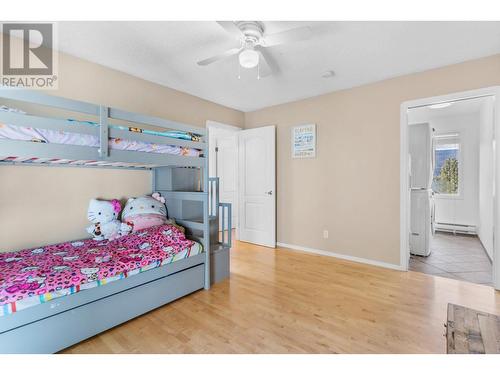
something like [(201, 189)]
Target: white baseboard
[(456, 228), (342, 256)]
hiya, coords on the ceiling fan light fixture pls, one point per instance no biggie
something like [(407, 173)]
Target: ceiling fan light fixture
[(249, 58)]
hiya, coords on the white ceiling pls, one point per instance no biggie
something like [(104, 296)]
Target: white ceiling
[(358, 52), (458, 108)]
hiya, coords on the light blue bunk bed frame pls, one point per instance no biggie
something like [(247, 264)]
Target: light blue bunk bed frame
[(65, 321)]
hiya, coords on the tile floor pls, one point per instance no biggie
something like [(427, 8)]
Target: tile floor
[(460, 257)]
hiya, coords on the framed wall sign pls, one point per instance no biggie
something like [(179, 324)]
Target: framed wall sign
[(304, 141)]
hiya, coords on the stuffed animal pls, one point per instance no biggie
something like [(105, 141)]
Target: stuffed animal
[(144, 212), (104, 218)]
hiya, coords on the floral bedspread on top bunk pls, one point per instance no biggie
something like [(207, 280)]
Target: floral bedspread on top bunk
[(34, 276)]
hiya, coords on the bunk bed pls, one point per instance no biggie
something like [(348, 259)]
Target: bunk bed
[(175, 153)]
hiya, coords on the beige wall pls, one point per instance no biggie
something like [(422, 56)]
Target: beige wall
[(44, 205), (352, 187), (40, 205)]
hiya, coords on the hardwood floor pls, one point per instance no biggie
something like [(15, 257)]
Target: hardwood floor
[(284, 301)]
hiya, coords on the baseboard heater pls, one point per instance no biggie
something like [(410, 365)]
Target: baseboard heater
[(456, 228)]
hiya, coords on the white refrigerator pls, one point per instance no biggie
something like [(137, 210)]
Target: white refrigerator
[(421, 195)]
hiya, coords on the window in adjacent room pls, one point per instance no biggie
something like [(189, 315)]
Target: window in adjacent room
[(447, 174)]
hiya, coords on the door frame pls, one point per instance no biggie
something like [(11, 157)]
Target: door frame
[(494, 92), (210, 124)]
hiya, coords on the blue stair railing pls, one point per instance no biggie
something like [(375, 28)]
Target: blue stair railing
[(220, 209)]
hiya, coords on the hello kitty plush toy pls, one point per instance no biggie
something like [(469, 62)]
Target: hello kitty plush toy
[(104, 218), (144, 212)]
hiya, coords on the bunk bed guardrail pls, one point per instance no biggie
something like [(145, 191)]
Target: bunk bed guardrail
[(103, 154)]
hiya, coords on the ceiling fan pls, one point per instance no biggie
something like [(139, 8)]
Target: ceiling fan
[(253, 43)]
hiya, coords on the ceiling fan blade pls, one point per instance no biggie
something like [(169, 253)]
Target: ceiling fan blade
[(232, 29), (267, 65), (224, 55), (288, 36)]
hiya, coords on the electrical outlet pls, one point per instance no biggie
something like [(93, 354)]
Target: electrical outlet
[(325, 233)]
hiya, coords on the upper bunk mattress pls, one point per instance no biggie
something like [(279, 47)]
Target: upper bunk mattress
[(34, 276), (22, 133)]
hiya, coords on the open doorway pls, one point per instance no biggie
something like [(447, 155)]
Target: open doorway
[(245, 163), (448, 205), (223, 163)]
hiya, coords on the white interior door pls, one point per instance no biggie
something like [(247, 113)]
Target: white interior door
[(227, 164), (257, 181)]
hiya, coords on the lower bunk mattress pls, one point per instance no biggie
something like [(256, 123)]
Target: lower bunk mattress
[(34, 276)]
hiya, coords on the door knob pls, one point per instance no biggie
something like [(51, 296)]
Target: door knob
[(270, 192)]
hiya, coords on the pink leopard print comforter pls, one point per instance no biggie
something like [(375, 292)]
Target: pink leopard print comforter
[(30, 277)]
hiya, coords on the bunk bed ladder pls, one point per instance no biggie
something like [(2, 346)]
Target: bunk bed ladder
[(218, 209), (220, 224)]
